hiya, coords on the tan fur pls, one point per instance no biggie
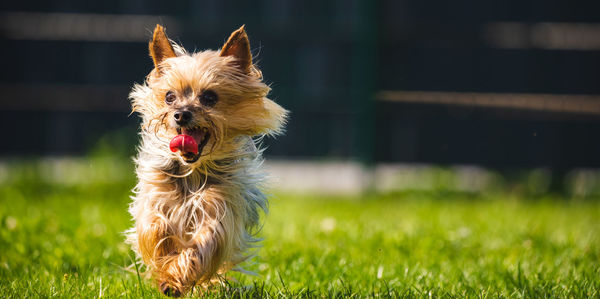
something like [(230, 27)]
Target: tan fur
[(160, 48), (196, 220), (238, 46)]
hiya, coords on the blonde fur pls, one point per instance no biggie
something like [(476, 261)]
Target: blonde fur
[(194, 221)]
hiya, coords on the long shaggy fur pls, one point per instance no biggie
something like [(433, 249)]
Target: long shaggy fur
[(196, 220)]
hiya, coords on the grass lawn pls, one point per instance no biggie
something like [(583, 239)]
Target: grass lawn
[(65, 240)]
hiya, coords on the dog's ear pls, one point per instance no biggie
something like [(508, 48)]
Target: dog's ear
[(160, 47), (256, 117), (238, 46)]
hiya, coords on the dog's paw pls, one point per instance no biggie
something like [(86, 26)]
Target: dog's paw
[(168, 290)]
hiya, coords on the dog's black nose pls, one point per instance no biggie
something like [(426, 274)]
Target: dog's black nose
[(182, 117)]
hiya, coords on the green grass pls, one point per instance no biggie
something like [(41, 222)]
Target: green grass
[(65, 240)]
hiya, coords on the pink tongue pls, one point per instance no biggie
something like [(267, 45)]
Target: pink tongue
[(184, 143)]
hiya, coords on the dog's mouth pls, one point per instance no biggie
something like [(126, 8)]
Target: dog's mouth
[(190, 143)]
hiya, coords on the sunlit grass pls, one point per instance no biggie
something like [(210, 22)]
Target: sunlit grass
[(65, 240)]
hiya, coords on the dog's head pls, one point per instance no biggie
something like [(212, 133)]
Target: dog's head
[(195, 106)]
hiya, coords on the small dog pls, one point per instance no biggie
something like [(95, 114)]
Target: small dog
[(198, 200)]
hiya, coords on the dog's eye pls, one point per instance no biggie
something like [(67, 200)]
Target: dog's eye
[(170, 97), (208, 98)]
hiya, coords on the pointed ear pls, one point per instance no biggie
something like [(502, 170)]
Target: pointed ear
[(160, 47), (238, 46)]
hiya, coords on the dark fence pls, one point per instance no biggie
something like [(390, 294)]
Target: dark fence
[(500, 83)]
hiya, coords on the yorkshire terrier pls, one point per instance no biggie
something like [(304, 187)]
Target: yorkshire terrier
[(198, 199)]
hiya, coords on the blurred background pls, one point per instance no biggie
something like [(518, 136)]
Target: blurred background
[(391, 95)]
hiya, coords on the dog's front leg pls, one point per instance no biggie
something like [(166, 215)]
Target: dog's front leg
[(154, 240), (195, 262)]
